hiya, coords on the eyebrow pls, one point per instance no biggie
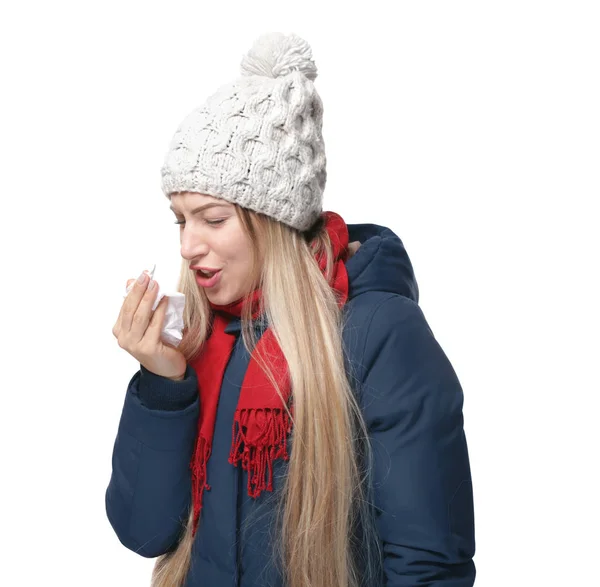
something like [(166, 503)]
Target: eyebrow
[(200, 208)]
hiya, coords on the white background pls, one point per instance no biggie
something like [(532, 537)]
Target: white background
[(471, 129)]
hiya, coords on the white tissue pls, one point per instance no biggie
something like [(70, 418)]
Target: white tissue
[(172, 331)]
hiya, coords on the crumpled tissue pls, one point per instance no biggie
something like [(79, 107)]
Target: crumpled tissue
[(172, 331)]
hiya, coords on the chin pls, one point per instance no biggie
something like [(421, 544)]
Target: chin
[(220, 299)]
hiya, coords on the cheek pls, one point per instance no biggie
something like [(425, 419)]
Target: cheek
[(243, 254), (234, 248)]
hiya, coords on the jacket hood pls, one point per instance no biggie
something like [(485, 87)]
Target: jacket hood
[(380, 264)]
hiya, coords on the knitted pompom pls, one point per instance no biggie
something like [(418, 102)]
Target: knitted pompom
[(276, 55)]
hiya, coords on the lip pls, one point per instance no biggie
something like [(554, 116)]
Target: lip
[(196, 267), (207, 282)]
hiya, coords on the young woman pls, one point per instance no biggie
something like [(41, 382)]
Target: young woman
[(308, 430)]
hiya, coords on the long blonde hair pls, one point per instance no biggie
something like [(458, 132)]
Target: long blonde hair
[(324, 519)]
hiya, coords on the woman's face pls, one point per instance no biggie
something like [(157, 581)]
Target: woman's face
[(212, 236)]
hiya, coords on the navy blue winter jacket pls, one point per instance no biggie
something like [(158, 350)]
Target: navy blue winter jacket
[(412, 403)]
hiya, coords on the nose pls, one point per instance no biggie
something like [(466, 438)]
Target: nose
[(193, 246)]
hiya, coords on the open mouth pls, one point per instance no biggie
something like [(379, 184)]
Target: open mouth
[(207, 278)]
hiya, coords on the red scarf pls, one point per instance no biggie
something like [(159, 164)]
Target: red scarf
[(261, 424)]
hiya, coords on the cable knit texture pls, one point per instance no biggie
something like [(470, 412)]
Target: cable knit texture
[(257, 141)]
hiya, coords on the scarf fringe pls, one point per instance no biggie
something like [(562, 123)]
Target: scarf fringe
[(259, 437), (198, 465)]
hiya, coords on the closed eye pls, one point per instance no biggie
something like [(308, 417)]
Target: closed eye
[(211, 222)]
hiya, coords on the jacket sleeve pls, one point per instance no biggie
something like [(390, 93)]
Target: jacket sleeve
[(421, 480), (149, 494)]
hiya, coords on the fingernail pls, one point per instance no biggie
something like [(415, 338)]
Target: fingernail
[(142, 278), (152, 284)]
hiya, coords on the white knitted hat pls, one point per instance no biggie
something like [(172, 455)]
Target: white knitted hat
[(257, 142)]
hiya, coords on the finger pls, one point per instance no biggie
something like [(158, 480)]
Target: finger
[(129, 281), (131, 303), (117, 326), (143, 314), (154, 330)]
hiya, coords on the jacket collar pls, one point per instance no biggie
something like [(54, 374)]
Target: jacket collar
[(380, 264)]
